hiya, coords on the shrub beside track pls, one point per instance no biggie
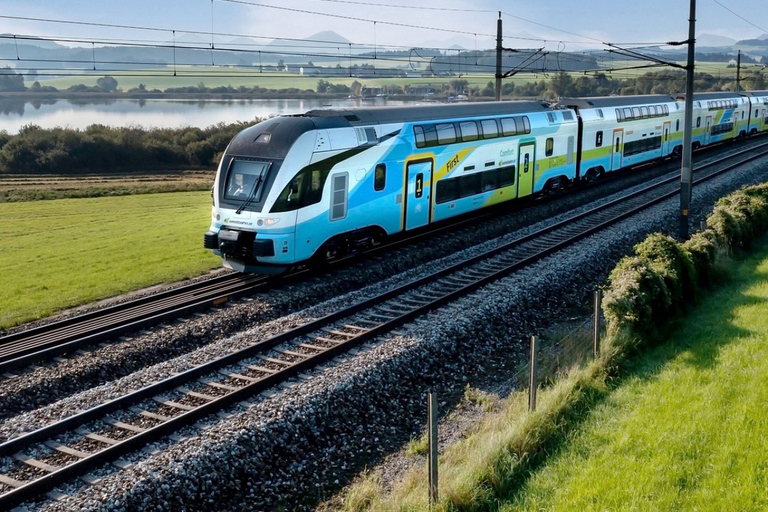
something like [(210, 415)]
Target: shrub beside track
[(644, 294)]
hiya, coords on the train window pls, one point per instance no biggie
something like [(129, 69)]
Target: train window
[(599, 139), (304, 189), (666, 110), (509, 126), (600, 113), (489, 180), (507, 176), (418, 135), (644, 112), (627, 114), (550, 146), (245, 179), (469, 185), (568, 115), (446, 133), (526, 123), (419, 185), (468, 131), (490, 128), (636, 113), (426, 136), (698, 122), (619, 115), (380, 177), (551, 117), (447, 190), (339, 196), (677, 126)]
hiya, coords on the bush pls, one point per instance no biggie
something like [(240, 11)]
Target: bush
[(673, 263), (99, 148), (636, 297), (703, 252)]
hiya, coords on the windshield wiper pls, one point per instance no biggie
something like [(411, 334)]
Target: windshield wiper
[(252, 195)]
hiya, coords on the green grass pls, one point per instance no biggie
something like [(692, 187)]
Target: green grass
[(687, 429), (62, 253), (235, 77)]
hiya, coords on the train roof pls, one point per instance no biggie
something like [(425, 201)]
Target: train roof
[(711, 95), (754, 93), (616, 101), (384, 115)]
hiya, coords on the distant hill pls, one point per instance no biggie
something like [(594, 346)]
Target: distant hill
[(324, 39), (711, 40)]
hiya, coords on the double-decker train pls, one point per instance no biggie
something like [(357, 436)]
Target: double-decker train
[(328, 182)]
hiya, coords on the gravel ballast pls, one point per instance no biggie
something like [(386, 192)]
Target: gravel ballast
[(296, 447)]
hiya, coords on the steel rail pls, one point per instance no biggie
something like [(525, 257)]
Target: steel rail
[(391, 308)]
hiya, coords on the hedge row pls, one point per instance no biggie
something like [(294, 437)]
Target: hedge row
[(98, 148), (649, 288)]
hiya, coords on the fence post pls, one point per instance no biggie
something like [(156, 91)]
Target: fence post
[(704, 225), (596, 329), (432, 435), (533, 378)]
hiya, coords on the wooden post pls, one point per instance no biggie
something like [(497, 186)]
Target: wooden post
[(533, 379), (432, 435), (596, 330)]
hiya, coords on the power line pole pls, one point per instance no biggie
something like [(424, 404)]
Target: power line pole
[(498, 58), (738, 71), (686, 173)]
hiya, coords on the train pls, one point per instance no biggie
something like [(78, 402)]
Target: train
[(330, 182)]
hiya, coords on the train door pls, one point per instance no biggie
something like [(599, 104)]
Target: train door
[(665, 138), (616, 149), (526, 164), (418, 204), (762, 119), (708, 130)]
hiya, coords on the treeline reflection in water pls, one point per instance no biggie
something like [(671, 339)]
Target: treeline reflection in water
[(78, 113)]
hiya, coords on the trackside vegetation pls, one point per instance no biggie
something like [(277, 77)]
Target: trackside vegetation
[(654, 414), (66, 252), (101, 148)]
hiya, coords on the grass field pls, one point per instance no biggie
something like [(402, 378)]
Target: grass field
[(687, 430), (27, 187), (62, 253), (235, 77)]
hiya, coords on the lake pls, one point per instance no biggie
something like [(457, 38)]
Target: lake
[(157, 113)]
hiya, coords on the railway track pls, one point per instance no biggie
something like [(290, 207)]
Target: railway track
[(110, 430), (67, 336)]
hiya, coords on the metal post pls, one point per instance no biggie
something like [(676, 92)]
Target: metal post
[(533, 379), (596, 331), (686, 174), (738, 71), (498, 58), (703, 225), (432, 434)]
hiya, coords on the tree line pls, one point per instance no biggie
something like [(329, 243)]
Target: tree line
[(99, 149)]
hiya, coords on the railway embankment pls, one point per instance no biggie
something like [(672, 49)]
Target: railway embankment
[(294, 447), (665, 418)]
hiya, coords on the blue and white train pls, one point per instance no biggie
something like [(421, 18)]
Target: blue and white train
[(328, 182)]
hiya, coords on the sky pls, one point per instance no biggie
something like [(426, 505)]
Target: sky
[(567, 25)]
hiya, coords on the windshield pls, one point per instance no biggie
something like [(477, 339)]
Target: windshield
[(244, 180)]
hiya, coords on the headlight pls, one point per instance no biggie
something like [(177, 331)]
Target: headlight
[(267, 222)]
